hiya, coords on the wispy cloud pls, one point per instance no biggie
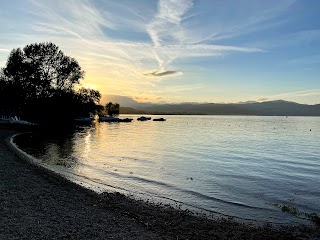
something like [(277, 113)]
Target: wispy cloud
[(82, 28), (169, 16), (166, 27), (303, 61), (162, 74), (299, 96), (127, 47), (170, 37), (66, 16), (314, 92), (225, 20), (288, 40)]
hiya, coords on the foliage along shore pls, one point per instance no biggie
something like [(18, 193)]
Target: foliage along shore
[(42, 85)]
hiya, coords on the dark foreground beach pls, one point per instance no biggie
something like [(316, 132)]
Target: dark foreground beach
[(35, 204)]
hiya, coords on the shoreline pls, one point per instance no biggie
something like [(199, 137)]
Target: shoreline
[(171, 203), (143, 220)]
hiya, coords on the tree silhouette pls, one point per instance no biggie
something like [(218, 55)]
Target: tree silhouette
[(113, 108), (40, 81), (41, 68)]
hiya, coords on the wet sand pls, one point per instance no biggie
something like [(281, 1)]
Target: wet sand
[(35, 204)]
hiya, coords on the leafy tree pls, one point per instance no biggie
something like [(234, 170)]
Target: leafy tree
[(113, 108), (89, 100), (41, 68), (39, 82)]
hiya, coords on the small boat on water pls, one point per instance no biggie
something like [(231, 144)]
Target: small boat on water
[(105, 118), (113, 119), (159, 119), (84, 119), (125, 119), (143, 118), (14, 121)]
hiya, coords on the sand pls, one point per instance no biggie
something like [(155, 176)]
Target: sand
[(35, 204)]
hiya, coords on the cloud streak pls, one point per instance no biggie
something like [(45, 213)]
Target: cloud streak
[(169, 15), (166, 26), (169, 38), (299, 96), (124, 59), (162, 74), (130, 48)]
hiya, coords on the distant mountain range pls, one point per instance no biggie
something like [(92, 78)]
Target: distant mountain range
[(269, 108)]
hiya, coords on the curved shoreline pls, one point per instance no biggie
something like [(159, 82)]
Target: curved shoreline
[(62, 177), (48, 169), (147, 220), (41, 166)]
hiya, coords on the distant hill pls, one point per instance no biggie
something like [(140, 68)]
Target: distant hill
[(123, 101), (270, 108), (129, 110)]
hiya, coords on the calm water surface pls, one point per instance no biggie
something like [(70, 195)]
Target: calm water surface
[(233, 165)]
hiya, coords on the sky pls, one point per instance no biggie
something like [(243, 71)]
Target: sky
[(179, 50)]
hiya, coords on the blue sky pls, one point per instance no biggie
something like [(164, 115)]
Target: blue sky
[(179, 50)]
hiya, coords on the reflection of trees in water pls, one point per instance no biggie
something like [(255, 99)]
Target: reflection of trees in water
[(61, 147), (59, 151), (58, 148), (83, 142), (31, 144)]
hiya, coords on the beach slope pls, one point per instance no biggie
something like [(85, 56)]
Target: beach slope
[(38, 206)]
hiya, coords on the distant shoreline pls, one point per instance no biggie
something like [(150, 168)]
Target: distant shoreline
[(143, 220), (271, 108), (203, 114)]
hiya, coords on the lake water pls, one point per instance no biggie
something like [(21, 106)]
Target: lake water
[(238, 166)]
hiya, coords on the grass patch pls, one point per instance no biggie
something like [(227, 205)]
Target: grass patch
[(290, 210), (313, 217)]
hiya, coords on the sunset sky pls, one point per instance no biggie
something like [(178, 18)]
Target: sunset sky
[(179, 50)]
